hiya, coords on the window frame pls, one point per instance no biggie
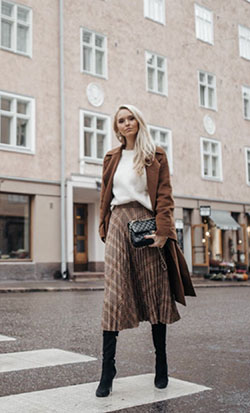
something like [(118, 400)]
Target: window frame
[(246, 89), (108, 143), (169, 143), (247, 150), (147, 13), (30, 147), (156, 55), (215, 108), (240, 26), (14, 20), (94, 48), (196, 7), (210, 177)]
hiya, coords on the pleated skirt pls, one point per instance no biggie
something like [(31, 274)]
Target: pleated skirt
[(136, 285)]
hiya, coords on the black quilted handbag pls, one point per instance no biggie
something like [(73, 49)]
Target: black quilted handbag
[(138, 229)]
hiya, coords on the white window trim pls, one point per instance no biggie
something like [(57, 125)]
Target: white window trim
[(196, 5), (105, 75), (211, 178), (30, 149), (215, 108), (243, 27), (87, 159), (245, 89), (163, 22), (247, 149), (165, 71), (14, 20), (170, 144)]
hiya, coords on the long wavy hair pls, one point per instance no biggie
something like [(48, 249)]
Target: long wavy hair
[(144, 144)]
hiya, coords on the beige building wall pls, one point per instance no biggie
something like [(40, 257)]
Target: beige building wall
[(129, 34)]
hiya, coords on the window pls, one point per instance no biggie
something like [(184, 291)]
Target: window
[(17, 130), (244, 42), (207, 90), (204, 24), (155, 10), (211, 159), (14, 226), (94, 53), (163, 138), (156, 73), (248, 165), (15, 31), (246, 102), (95, 136)]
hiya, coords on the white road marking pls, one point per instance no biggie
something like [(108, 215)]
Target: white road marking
[(127, 392), (39, 358), (6, 338)]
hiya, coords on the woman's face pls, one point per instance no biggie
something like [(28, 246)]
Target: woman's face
[(127, 124)]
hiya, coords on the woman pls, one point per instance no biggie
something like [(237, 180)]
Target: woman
[(136, 185)]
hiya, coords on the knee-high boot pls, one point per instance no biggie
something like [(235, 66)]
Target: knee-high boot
[(161, 366), (108, 363)]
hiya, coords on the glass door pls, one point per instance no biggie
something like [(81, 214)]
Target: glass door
[(80, 237), (200, 245)]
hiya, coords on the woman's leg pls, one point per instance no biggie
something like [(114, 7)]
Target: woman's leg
[(108, 363), (161, 366)]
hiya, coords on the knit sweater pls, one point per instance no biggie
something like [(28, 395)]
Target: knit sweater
[(128, 186)]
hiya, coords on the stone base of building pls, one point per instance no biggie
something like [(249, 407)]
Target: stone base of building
[(27, 271)]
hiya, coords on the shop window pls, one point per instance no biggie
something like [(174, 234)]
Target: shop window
[(207, 90), (15, 27), (94, 53), (247, 151), (204, 24), (95, 136), (14, 227), (155, 10), (211, 159), (246, 102), (17, 122), (244, 42), (163, 138), (156, 67)]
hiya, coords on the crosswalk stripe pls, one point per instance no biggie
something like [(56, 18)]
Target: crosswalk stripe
[(127, 392), (6, 338), (39, 358)]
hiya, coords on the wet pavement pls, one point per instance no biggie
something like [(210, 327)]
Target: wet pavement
[(209, 346)]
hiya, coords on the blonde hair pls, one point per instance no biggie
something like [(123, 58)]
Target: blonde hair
[(144, 144)]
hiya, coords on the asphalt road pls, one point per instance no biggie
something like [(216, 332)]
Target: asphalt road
[(209, 346)]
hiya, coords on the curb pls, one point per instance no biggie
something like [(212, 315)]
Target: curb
[(9, 289)]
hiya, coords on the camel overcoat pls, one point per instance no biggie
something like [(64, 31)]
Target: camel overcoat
[(160, 192)]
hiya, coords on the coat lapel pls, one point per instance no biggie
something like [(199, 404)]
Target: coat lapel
[(152, 172)]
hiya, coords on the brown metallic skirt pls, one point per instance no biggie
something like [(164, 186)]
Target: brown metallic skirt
[(136, 287)]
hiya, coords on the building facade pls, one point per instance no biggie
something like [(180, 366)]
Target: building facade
[(186, 65)]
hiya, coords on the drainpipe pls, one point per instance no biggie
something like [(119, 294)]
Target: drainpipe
[(63, 244)]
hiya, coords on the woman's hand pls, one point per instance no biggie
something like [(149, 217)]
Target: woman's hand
[(159, 240)]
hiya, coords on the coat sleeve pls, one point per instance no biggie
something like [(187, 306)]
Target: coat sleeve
[(164, 202)]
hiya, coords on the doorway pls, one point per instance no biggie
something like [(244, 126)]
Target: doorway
[(80, 237)]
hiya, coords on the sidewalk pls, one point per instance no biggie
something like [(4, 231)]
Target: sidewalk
[(95, 284)]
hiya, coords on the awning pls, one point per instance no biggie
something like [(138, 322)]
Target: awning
[(224, 220)]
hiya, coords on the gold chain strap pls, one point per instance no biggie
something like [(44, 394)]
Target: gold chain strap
[(163, 261)]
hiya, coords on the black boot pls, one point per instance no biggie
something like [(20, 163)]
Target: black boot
[(108, 363), (161, 366)]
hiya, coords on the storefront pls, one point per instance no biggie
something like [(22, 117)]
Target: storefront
[(219, 241)]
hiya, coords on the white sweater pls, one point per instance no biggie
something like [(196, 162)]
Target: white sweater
[(128, 186)]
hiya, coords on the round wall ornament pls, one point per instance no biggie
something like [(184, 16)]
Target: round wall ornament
[(95, 94), (209, 124)]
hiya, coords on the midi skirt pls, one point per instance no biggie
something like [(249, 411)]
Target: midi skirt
[(136, 283)]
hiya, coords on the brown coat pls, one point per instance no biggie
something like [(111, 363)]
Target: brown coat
[(160, 192)]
